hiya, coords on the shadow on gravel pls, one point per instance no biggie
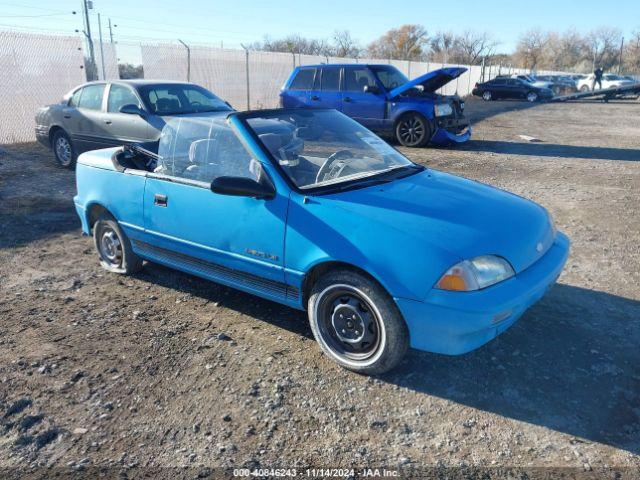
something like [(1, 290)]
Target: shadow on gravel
[(553, 150), (19, 229), (274, 313), (571, 364), (477, 110)]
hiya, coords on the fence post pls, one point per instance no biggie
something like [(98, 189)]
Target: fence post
[(246, 68), (409, 69), (188, 60)]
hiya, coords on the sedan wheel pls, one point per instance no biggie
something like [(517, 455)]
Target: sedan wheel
[(356, 323), (413, 130), (584, 88), (63, 150), (532, 97), (486, 96)]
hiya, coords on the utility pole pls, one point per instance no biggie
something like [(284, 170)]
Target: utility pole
[(104, 75), (86, 5), (111, 31)]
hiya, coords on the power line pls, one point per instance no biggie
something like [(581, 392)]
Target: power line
[(36, 16)]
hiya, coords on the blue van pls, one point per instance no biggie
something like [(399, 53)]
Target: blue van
[(384, 100)]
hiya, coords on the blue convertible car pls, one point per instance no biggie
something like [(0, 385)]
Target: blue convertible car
[(310, 209)]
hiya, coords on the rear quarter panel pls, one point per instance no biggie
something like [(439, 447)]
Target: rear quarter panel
[(121, 193)]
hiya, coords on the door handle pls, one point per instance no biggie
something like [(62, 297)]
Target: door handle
[(347, 99), (160, 200), (108, 122), (66, 115), (315, 97)]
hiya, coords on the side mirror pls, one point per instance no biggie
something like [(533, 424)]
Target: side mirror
[(242, 187), (131, 109), (371, 89)]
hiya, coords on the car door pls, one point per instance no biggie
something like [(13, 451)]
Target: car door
[(368, 108), (498, 87), (298, 93), (124, 128), (514, 88), (90, 131), (190, 227), (326, 91)]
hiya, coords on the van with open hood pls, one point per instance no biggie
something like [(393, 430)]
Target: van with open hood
[(383, 99)]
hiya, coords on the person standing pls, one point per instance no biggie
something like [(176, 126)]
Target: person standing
[(597, 78)]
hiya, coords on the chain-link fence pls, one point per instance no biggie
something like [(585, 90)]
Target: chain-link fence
[(36, 70)]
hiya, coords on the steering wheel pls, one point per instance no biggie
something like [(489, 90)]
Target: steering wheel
[(333, 166)]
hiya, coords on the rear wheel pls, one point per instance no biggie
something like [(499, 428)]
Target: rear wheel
[(584, 88), (413, 130), (63, 150), (114, 247), (487, 96), (356, 323), (532, 97)]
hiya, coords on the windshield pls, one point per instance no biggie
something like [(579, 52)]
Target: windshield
[(389, 76), (176, 98), (324, 147)]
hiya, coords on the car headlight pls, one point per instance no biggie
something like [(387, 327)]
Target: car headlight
[(442, 109), (479, 272)]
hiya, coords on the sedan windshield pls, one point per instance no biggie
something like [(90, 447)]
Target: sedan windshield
[(316, 148), (176, 98)]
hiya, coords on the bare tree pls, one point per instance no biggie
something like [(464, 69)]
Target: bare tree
[(344, 44), (471, 46), (604, 46), (442, 45), (531, 49), (632, 53), (405, 43)]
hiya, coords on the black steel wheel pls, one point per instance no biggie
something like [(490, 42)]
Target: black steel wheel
[(114, 248), (413, 130), (356, 322)]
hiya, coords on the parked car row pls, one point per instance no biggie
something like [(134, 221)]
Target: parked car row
[(514, 88)]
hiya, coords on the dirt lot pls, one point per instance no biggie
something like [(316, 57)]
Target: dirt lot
[(166, 370)]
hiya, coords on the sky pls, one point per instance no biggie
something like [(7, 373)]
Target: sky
[(230, 23)]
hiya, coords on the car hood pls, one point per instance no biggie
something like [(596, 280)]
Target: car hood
[(456, 215), (431, 81)]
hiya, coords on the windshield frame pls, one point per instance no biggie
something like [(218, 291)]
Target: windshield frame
[(323, 189)]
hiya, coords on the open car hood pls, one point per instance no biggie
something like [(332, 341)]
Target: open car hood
[(431, 81)]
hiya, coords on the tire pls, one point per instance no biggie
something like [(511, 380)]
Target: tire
[(114, 248), (413, 130), (532, 97), (63, 150), (374, 340), (584, 88), (487, 96)]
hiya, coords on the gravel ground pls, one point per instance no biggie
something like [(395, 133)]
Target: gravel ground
[(167, 370)]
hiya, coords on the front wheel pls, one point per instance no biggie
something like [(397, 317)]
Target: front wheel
[(356, 323), (585, 88), (114, 247), (532, 97), (413, 130)]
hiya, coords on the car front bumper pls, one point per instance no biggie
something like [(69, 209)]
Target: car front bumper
[(42, 135), (444, 137), (454, 323)]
